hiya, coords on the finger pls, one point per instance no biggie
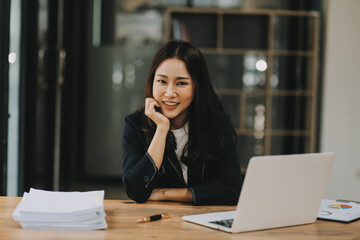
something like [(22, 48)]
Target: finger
[(150, 110), (147, 103), (152, 101), (154, 105), (151, 105)]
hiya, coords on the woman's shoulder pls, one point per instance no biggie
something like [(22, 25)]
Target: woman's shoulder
[(135, 116)]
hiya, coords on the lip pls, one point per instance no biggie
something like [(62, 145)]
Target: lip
[(170, 104)]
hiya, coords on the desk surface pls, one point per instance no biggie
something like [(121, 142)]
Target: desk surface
[(122, 216)]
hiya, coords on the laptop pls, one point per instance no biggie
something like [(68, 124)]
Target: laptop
[(278, 191)]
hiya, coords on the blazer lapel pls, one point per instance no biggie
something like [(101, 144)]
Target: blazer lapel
[(174, 162)]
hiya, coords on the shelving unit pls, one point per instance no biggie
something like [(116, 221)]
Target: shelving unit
[(263, 64)]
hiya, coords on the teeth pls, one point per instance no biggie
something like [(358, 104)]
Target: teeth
[(171, 103)]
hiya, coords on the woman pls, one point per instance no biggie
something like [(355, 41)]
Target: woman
[(181, 146)]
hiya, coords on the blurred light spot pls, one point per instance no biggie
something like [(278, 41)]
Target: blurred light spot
[(12, 57), (249, 79), (258, 149), (259, 135), (274, 80), (249, 62), (130, 81), (261, 65), (130, 75), (129, 69), (260, 108), (259, 121), (117, 77)]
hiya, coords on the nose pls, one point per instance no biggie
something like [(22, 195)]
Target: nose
[(170, 91)]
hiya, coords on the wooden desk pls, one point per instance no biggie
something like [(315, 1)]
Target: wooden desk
[(122, 216)]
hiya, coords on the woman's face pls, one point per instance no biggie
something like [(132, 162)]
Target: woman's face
[(173, 89)]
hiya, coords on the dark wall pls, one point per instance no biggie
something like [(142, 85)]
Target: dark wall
[(4, 89)]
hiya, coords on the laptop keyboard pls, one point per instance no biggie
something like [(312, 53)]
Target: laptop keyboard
[(226, 222)]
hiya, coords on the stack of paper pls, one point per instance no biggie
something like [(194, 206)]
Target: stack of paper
[(41, 209)]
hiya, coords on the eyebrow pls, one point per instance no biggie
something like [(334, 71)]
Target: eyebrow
[(182, 78)]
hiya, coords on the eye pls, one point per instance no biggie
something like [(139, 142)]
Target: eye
[(182, 83), (161, 81)]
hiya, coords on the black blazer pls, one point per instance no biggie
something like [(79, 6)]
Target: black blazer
[(211, 183)]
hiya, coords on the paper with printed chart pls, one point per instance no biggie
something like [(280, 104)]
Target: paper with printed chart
[(339, 210)]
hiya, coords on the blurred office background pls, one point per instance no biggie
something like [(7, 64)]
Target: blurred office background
[(72, 70)]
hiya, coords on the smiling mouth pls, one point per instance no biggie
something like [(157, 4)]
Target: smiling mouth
[(171, 103)]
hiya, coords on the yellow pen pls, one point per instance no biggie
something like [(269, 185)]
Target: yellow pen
[(154, 218)]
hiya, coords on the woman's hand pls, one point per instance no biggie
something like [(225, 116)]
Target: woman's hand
[(157, 145), (150, 110)]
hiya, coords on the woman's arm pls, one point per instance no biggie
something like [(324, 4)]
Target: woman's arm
[(157, 145), (172, 194), (140, 173), (141, 170)]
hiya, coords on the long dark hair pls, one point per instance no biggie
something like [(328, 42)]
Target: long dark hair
[(207, 136)]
